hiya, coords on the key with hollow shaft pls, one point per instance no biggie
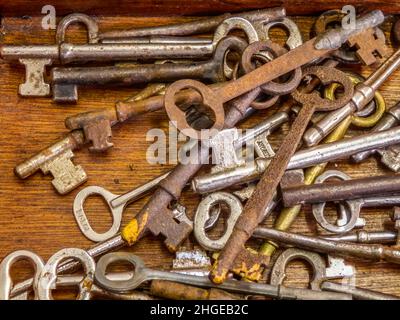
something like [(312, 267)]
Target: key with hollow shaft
[(143, 274)]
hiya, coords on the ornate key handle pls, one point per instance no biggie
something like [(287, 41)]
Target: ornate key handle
[(6, 283), (48, 276), (88, 22)]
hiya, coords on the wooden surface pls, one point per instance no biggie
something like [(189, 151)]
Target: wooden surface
[(191, 7), (33, 216)]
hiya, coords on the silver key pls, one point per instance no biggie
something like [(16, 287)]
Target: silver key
[(142, 274), (363, 94), (48, 277), (301, 159)]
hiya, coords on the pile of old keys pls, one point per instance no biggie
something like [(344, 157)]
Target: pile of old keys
[(207, 86)]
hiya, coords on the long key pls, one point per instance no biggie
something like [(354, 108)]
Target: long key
[(342, 190), (389, 120), (268, 183), (374, 252), (362, 236), (65, 80), (304, 158), (145, 274), (117, 203), (358, 293)]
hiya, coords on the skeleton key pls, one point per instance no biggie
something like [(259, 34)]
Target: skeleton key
[(351, 219), (364, 92), (374, 252), (361, 236), (264, 192), (6, 285), (56, 160), (192, 27), (48, 277), (65, 80), (333, 268), (37, 57), (143, 274), (117, 203), (309, 51)]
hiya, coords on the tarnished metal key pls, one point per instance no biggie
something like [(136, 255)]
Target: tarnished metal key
[(303, 158), (66, 80), (374, 252), (37, 57), (342, 190), (358, 293), (142, 274), (361, 236), (389, 120), (268, 183), (192, 27)]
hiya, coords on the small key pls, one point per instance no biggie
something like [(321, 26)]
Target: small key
[(56, 160), (142, 274), (66, 80)]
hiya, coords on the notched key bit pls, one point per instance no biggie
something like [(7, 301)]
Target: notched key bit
[(56, 160), (34, 84), (368, 44)]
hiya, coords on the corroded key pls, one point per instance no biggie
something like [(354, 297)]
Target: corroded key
[(265, 190), (142, 274)]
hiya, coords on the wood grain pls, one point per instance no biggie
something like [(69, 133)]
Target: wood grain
[(192, 7), (33, 216)]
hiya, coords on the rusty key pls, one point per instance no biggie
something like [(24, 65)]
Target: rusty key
[(265, 189)]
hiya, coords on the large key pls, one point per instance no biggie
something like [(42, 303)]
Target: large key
[(145, 274), (304, 158), (342, 190), (193, 27), (374, 252), (65, 80), (268, 183), (37, 57)]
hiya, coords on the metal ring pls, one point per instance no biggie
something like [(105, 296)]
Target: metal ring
[(5, 267), (82, 220), (353, 206), (90, 23), (203, 215), (178, 117), (276, 50)]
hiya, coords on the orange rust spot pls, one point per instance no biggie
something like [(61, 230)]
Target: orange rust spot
[(133, 229)]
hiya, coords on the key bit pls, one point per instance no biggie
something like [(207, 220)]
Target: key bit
[(390, 157), (99, 133), (67, 176), (56, 160), (368, 45), (34, 84)]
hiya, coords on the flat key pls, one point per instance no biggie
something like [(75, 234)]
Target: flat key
[(142, 274), (268, 183)]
